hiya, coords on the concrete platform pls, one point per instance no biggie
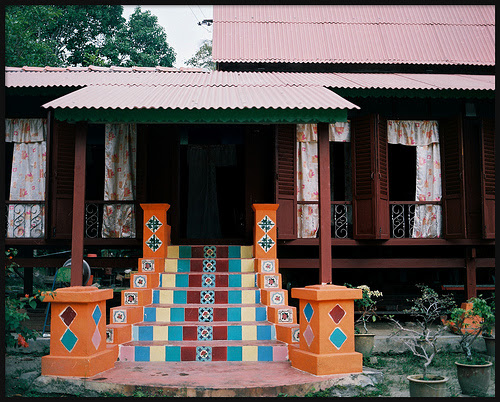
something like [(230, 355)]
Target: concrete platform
[(206, 379)]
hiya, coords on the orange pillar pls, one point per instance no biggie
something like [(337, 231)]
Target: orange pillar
[(78, 333), (326, 318), (264, 231), (156, 235)]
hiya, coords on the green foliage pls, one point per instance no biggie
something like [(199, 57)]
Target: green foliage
[(75, 35), (203, 57), (367, 306)]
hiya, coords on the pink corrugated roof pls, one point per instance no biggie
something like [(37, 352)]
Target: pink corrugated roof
[(210, 97), (416, 34), (80, 77)]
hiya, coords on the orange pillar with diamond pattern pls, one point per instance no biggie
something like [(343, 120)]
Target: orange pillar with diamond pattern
[(156, 235), (326, 319), (78, 333), (264, 231)]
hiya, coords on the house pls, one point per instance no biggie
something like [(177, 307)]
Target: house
[(391, 106)]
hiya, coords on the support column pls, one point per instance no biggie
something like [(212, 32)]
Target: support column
[(470, 267), (264, 231), (326, 330), (156, 234), (78, 333), (78, 228), (325, 218)]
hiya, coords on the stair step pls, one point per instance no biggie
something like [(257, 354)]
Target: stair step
[(207, 280), (210, 251), (204, 313), (209, 265), (204, 351), (207, 296), (222, 330)]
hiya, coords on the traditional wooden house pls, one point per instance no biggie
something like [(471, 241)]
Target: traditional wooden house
[(379, 119)]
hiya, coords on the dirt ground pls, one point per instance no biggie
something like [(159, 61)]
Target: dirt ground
[(22, 369)]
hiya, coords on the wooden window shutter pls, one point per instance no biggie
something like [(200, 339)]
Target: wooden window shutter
[(454, 221), (370, 175), (488, 178), (286, 181), (62, 176)]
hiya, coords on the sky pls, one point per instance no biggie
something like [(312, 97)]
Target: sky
[(181, 26)]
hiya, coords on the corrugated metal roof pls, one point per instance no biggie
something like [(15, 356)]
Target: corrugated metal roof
[(71, 77), (189, 97), (423, 34)]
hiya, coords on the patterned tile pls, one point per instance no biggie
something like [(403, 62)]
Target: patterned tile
[(148, 265), (266, 224), (277, 298), (154, 243), (153, 224), (205, 314), (207, 297), (119, 316), (203, 353), (296, 334), (209, 265), (209, 252), (208, 280), (271, 281), (110, 335), (267, 266), (266, 243), (140, 281), (285, 315), (205, 333), (130, 298)]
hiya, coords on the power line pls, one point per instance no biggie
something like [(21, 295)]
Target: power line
[(199, 22)]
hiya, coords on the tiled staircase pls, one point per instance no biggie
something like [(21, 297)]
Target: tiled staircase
[(204, 303)]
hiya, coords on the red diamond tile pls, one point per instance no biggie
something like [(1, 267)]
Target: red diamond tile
[(68, 315), (337, 313)]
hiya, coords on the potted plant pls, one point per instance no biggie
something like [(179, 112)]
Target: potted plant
[(472, 319), (364, 341), (422, 339)]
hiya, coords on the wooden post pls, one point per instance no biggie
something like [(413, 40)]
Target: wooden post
[(325, 219), (78, 229), (470, 267)]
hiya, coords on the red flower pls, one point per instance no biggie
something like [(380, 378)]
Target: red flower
[(21, 341)]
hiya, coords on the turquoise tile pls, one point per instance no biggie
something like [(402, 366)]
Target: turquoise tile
[(265, 353), (184, 251), (142, 354), (234, 354), (172, 353), (183, 265), (234, 281), (176, 314), (234, 266), (257, 296), (234, 296), (234, 252), (264, 332), (175, 333), (146, 333), (150, 314), (260, 314), (234, 333), (234, 313), (180, 296), (156, 296), (182, 280)]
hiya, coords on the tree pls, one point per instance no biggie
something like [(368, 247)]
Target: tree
[(203, 57), (83, 35)]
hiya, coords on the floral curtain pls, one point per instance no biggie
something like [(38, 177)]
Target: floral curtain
[(26, 220), (119, 180), (425, 136), (307, 173)]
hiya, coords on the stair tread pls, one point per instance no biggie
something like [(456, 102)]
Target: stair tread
[(272, 342), (224, 305), (200, 323), (205, 273), (200, 288), (209, 258)]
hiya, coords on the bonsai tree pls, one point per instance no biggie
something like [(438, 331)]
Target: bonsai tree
[(366, 306), (422, 338), (480, 319)]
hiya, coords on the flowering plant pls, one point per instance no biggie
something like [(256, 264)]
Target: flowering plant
[(366, 305)]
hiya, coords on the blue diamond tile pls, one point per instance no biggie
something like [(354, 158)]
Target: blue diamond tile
[(338, 338), (308, 312), (96, 315), (69, 340)]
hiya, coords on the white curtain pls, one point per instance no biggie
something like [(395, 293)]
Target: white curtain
[(119, 180), (26, 220), (424, 135), (307, 173)]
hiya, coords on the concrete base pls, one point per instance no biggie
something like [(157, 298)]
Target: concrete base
[(325, 364), (79, 366)]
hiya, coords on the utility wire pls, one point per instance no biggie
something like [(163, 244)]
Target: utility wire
[(199, 22)]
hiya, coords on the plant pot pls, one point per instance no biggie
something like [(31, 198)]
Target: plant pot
[(490, 345), (363, 343), (474, 379), (433, 386)]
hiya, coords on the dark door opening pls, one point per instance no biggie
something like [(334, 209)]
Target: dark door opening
[(212, 184)]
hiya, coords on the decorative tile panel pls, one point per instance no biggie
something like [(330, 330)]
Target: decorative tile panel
[(266, 243), (153, 224), (207, 297), (277, 298), (267, 266), (68, 315), (110, 335), (271, 281), (337, 338), (97, 314), (209, 252), (130, 298), (208, 280), (308, 336), (154, 243), (205, 333), (285, 315), (209, 266), (140, 281), (337, 313), (96, 338), (69, 340), (203, 353), (296, 334), (119, 316), (148, 265), (266, 224), (205, 314), (308, 312)]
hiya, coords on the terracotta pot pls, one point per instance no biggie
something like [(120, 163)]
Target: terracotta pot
[(363, 343), (474, 379), (490, 345), (433, 386)]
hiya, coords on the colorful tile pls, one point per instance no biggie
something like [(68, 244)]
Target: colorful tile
[(234, 353), (154, 243), (96, 338), (69, 340), (180, 297), (203, 353), (264, 332), (175, 333), (150, 314), (337, 338), (277, 298), (205, 314), (267, 266), (234, 333), (209, 252), (271, 281), (157, 353), (250, 353), (248, 332), (184, 252), (153, 224), (308, 336), (130, 298), (148, 265), (96, 315), (209, 265), (176, 314), (183, 265), (337, 313), (172, 353), (145, 333), (234, 252), (68, 315), (308, 312), (207, 297), (234, 296), (205, 333), (208, 280), (285, 315), (110, 335), (296, 334), (182, 280), (265, 354), (247, 313), (166, 296), (266, 224), (140, 281), (119, 316), (160, 333), (142, 353), (162, 314)]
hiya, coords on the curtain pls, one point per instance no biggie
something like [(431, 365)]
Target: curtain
[(203, 210), (307, 173), (119, 180), (28, 173), (425, 136)]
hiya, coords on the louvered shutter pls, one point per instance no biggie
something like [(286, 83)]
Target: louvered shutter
[(451, 137), (62, 177), (286, 182), (371, 190), (488, 178)]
